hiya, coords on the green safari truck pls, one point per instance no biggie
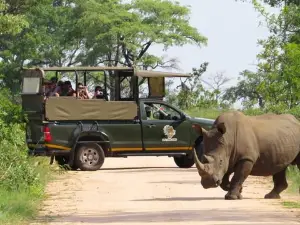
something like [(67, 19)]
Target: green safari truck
[(83, 132)]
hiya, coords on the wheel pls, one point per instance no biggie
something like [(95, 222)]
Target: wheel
[(89, 157), (185, 161), (199, 150), (63, 161)]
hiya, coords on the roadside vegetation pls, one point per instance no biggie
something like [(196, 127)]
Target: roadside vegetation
[(22, 179)]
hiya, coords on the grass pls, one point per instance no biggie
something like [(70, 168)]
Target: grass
[(19, 207), (291, 205), (206, 113), (293, 175)]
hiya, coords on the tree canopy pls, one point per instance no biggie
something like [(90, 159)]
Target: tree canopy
[(90, 33)]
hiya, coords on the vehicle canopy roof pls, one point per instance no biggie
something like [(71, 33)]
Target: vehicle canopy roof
[(75, 109), (136, 72), (156, 79)]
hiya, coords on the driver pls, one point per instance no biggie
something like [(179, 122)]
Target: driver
[(148, 112)]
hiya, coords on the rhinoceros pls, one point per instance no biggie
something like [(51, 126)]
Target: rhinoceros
[(263, 145)]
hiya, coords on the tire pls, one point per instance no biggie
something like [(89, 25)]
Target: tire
[(89, 157), (185, 161), (199, 150)]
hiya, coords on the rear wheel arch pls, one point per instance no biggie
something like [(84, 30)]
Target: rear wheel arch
[(86, 137), (99, 138)]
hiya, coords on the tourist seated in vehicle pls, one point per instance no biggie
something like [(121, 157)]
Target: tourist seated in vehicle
[(148, 112), (51, 88), (67, 89), (99, 93), (82, 91)]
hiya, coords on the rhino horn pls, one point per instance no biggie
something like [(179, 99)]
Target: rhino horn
[(203, 169), (208, 158)]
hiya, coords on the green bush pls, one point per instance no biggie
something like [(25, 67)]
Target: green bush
[(293, 174), (205, 113), (22, 178)]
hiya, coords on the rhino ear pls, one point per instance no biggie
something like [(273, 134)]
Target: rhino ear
[(221, 128), (201, 131)]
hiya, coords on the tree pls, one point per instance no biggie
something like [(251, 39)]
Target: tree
[(191, 88), (275, 84), (49, 38), (119, 33), (91, 33), (10, 23), (216, 83), (247, 90)]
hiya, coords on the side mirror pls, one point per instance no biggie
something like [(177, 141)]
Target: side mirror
[(183, 117)]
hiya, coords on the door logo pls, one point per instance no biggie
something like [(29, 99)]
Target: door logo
[(170, 133)]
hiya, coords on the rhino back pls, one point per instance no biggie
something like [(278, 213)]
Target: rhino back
[(278, 142)]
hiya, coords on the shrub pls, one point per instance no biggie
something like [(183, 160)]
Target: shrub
[(22, 179)]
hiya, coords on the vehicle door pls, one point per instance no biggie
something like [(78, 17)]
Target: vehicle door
[(164, 128)]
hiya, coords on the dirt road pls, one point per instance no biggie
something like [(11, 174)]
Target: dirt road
[(151, 190)]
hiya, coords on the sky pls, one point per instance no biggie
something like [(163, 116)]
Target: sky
[(232, 28)]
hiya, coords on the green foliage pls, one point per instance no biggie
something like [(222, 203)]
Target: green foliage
[(247, 90), (204, 112), (192, 94), (291, 204), (10, 23), (91, 33), (293, 174), (274, 87), (122, 33), (22, 179)]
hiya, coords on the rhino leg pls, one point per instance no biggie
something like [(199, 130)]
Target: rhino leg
[(280, 184), (225, 185), (241, 172)]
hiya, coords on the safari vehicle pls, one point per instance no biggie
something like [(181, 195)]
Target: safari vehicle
[(83, 132)]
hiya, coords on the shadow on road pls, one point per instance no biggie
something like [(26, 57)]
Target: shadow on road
[(147, 169), (180, 199), (138, 168), (216, 215), (177, 182)]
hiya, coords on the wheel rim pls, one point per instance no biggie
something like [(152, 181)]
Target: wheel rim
[(90, 156)]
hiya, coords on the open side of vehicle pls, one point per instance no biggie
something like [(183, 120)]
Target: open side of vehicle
[(82, 132)]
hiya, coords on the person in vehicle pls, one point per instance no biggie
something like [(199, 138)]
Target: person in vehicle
[(148, 112), (100, 93), (59, 87), (82, 91), (52, 89), (67, 89)]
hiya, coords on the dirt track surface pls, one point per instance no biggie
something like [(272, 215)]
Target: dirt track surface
[(152, 190)]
